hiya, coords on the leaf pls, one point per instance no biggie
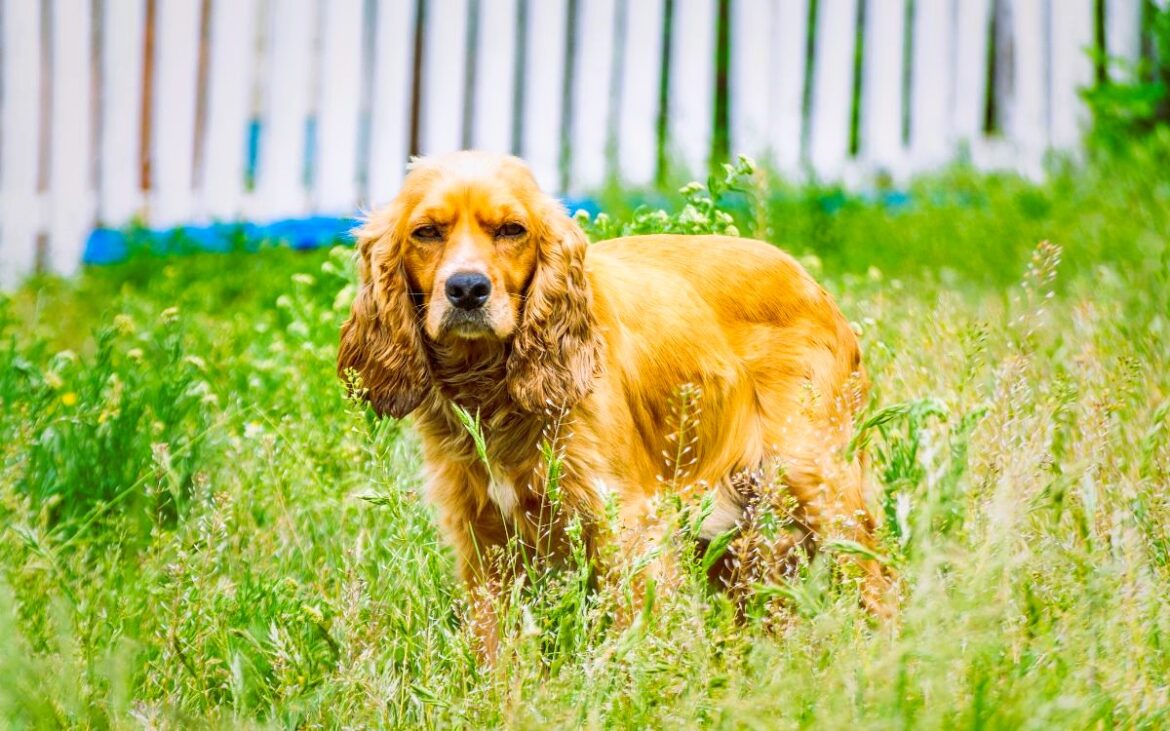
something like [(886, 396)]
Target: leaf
[(853, 548), (918, 410), (717, 547)]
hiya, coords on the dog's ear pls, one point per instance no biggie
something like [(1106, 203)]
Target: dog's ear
[(556, 352), (381, 340)]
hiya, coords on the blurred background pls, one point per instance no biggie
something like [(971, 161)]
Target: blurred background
[(292, 115)]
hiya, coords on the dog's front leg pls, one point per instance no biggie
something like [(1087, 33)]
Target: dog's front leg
[(474, 529)]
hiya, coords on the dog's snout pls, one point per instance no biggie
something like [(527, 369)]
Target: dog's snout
[(468, 290)]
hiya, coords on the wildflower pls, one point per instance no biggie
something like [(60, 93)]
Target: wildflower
[(305, 279), (344, 298), (53, 381), (252, 430), (124, 324), (135, 354), (169, 315), (195, 361), (69, 398)]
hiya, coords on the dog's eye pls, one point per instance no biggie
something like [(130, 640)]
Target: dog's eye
[(510, 230), (429, 232)]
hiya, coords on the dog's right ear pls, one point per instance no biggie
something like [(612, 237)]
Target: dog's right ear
[(381, 340)]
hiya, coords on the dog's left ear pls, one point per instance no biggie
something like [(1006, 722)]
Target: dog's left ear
[(556, 352), (381, 340)]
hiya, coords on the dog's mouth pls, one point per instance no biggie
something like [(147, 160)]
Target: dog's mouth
[(470, 324)]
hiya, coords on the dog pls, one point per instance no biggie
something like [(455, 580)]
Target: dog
[(478, 291)]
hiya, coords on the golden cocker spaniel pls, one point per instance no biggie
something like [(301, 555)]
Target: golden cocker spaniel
[(477, 290)]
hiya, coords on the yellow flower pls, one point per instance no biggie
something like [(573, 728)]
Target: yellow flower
[(124, 324), (69, 398)]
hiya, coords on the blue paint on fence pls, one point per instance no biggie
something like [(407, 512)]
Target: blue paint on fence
[(108, 246)]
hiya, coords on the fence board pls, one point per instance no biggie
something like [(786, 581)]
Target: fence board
[(778, 102), (20, 48), (790, 30), (592, 73), (280, 174), (444, 76), (832, 96), (931, 90), (543, 88), (692, 84), (972, 34), (176, 60), (1026, 124), (390, 105), (882, 84), (641, 75), (750, 75), (120, 190), (71, 196), (1123, 39), (340, 87), (495, 76), (1071, 31), (231, 70)]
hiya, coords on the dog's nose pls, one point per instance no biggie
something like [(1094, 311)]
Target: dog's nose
[(468, 290)]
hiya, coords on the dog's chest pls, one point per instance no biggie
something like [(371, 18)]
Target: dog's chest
[(502, 491)]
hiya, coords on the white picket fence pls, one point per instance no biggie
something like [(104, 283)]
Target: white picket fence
[(115, 110)]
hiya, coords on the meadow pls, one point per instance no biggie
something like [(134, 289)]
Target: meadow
[(198, 529)]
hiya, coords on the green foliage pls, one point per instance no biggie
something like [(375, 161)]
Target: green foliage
[(1137, 101), (199, 529), (703, 210)]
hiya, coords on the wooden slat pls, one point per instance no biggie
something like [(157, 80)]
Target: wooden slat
[(641, 74), (20, 214), (1123, 36), (280, 175), (931, 90), (882, 85), (390, 105), (176, 61), (1026, 123), (444, 76), (543, 88), (123, 32), (591, 93), (335, 183), (692, 84), (1071, 31), (791, 67), (231, 70), (71, 196), (973, 26), (832, 94), (750, 75), (495, 76)]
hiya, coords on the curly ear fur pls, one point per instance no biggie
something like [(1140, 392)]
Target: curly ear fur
[(381, 338), (556, 351)]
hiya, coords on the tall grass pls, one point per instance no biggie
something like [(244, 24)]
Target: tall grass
[(198, 529)]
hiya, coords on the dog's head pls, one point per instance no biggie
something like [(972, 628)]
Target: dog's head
[(471, 249)]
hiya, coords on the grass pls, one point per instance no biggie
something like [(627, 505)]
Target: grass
[(198, 530)]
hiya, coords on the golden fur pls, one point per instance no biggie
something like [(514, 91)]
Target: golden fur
[(585, 346)]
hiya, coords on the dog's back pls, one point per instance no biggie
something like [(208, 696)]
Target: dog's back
[(777, 365)]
